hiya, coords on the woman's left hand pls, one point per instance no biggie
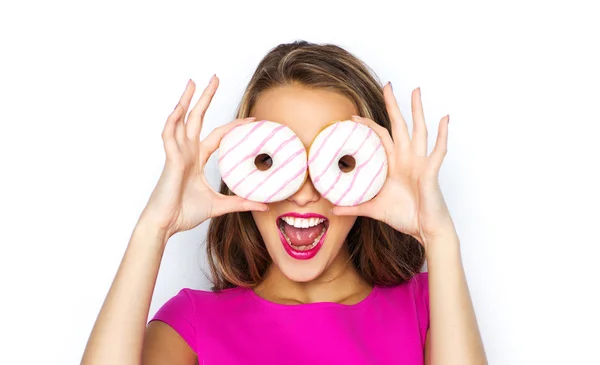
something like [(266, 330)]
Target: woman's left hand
[(410, 200)]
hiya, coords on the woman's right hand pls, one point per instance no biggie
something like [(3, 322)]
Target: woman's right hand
[(182, 198)]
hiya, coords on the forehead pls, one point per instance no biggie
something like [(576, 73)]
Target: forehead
[(306, 111)]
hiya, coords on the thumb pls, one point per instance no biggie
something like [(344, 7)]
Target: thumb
[(233, 203), (366, 209)]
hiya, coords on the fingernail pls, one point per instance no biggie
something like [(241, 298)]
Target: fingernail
[(391, 86), (356, 116), (211, 79), (448, 119)]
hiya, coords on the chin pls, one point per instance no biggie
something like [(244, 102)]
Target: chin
[(303, 245), (300, 273)]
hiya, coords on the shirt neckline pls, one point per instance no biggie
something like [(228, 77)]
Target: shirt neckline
[(271, 304)]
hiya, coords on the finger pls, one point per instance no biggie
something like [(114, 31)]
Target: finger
[(180, 132), (168, 133), (232, 203), (186, 97), (384, 136), (441, 144), (367, 209), (178, 112), (184, 102), (419, 135), (211, 143), (399, 128), (194, 122)]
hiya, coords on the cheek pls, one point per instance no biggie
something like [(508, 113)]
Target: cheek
[(340, 227), (264, 222)]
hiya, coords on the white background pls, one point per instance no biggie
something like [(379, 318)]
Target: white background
[(86, 87)]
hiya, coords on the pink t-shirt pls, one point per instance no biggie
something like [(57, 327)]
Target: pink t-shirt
[(236, 326)]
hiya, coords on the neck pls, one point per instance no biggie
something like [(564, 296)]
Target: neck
[(340, 282)]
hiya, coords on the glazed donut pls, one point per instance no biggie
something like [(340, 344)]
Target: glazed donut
[(262, 161), (347, 163)]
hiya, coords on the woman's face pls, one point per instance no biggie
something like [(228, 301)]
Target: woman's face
[(306, 112)]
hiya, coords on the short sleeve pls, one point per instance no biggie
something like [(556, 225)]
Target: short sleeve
[(178, 312), (421, 291)]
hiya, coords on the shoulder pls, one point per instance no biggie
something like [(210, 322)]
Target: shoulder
[(205, 296), (188, 307), (410, 297), (420, 285), (188, 301), (416, 286)]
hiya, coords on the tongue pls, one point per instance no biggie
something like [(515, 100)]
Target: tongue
[(302, 236)]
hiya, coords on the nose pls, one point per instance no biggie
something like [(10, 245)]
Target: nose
[(306, 195)]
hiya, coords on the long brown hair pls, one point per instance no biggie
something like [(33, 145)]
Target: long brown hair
[(236, 252)]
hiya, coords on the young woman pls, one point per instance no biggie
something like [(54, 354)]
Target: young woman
[(359, 299)]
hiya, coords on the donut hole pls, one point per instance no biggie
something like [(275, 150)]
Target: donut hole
[(263, 162), (347, 163)]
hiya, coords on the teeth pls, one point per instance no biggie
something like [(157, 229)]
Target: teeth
[(306, 247), (303, 222)]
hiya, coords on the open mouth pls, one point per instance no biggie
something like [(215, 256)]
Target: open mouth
[(302, 234)]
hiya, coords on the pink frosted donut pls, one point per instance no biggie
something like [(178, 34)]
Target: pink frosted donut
[(347, 163), (262, 161)]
